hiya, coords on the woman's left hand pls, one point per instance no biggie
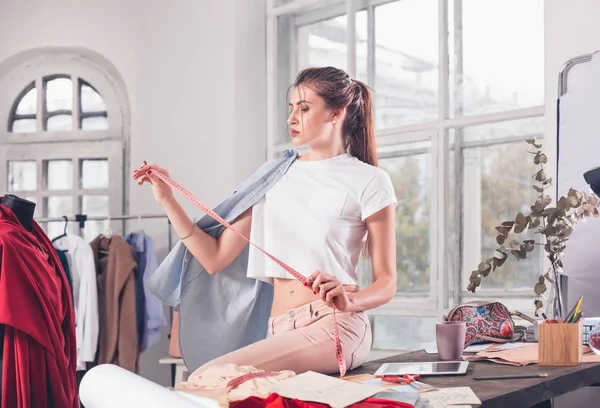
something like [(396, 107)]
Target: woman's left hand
[(331, 291)]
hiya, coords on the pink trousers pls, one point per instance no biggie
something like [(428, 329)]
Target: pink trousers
[(302, 340)]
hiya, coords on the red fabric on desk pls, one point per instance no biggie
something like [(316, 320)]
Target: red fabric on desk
[(39, 356), (277, 401)]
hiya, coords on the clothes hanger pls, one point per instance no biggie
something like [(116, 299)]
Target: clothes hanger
[(107, 234), (64, 234)]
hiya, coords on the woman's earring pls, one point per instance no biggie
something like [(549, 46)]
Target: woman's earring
[(333, 122)]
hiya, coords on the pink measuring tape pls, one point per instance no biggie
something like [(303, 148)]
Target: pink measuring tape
[(338, 348), (250, 376)]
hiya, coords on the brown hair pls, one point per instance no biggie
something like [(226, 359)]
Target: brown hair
[(339, 91)]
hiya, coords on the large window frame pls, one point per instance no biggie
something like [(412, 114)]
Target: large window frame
[(75, 145), (446, 286)]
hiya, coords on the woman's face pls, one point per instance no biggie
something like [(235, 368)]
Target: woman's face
[(311, 122)]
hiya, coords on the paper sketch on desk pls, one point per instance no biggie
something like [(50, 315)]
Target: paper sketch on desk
[(448, 397), (315, 387), (376, 382), (508, 346)]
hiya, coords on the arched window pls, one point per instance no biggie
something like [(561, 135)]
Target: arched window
[(63, 128), (63, 107)]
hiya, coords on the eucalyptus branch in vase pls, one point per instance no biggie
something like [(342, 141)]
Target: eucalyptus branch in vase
[(554, 224)]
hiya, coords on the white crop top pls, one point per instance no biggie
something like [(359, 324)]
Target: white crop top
[(313, 218)]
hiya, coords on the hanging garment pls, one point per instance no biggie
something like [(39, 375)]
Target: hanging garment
[(64, 261), (227, 311), (152, 313), (115, 268), (578, 152), (85, 296), (39, 356)]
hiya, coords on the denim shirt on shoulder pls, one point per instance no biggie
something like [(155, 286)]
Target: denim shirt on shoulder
[(227, 311)]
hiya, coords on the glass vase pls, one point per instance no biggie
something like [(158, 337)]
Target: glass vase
[(594, 339)]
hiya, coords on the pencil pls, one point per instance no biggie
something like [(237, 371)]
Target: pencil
[(579, 305), (511, 377), (572, 312)]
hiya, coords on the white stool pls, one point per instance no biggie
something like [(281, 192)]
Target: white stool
[(180, 368)]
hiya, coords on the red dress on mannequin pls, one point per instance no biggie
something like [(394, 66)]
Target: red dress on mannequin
[(39, 356)]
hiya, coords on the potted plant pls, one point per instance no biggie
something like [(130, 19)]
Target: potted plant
[(554, 224)]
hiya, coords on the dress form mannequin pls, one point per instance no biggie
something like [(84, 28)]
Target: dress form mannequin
[(23, 209)]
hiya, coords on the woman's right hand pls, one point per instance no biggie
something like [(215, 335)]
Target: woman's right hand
[(162, 191)]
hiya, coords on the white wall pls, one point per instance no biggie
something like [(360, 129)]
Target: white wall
[(571, 29), (195, 77)]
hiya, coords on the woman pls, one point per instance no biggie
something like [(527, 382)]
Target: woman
[(316, 219)]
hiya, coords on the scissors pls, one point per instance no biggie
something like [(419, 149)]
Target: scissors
[(401, 379), (409, 379)]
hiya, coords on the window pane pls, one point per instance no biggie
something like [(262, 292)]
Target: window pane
[(28, 104), (94, 173), (497, 185), (59, 174), (95, 205), (95, 123), (533, 127), (322, 44), (24, 126), (411, 175), (57, 207), (496, 66), (60, 123), (406, 62), (59, 94), (402, 333), (91, 101), (22, 176)]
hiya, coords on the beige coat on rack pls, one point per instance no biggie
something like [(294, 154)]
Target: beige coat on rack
[(115, 267)]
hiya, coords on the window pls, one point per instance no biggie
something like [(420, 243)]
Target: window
[(494, 67), (63, 142), (406, 62), (57, 107), (452, 115), (496, 185)]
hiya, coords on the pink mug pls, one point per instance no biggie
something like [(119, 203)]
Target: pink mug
[(450, 338)]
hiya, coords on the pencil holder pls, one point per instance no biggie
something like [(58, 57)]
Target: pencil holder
[(560, 344)]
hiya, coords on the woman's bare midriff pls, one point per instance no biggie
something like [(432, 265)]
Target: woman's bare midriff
[(291, 293)]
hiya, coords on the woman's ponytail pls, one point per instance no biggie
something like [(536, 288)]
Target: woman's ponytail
[(359, 127)]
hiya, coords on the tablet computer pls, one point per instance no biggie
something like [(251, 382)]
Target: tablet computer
[(430, 368)]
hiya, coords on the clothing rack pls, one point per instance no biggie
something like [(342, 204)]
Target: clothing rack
[(82, 218), (563, 74)]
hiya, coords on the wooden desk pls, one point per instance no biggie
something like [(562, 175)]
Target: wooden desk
[(534, 392)]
